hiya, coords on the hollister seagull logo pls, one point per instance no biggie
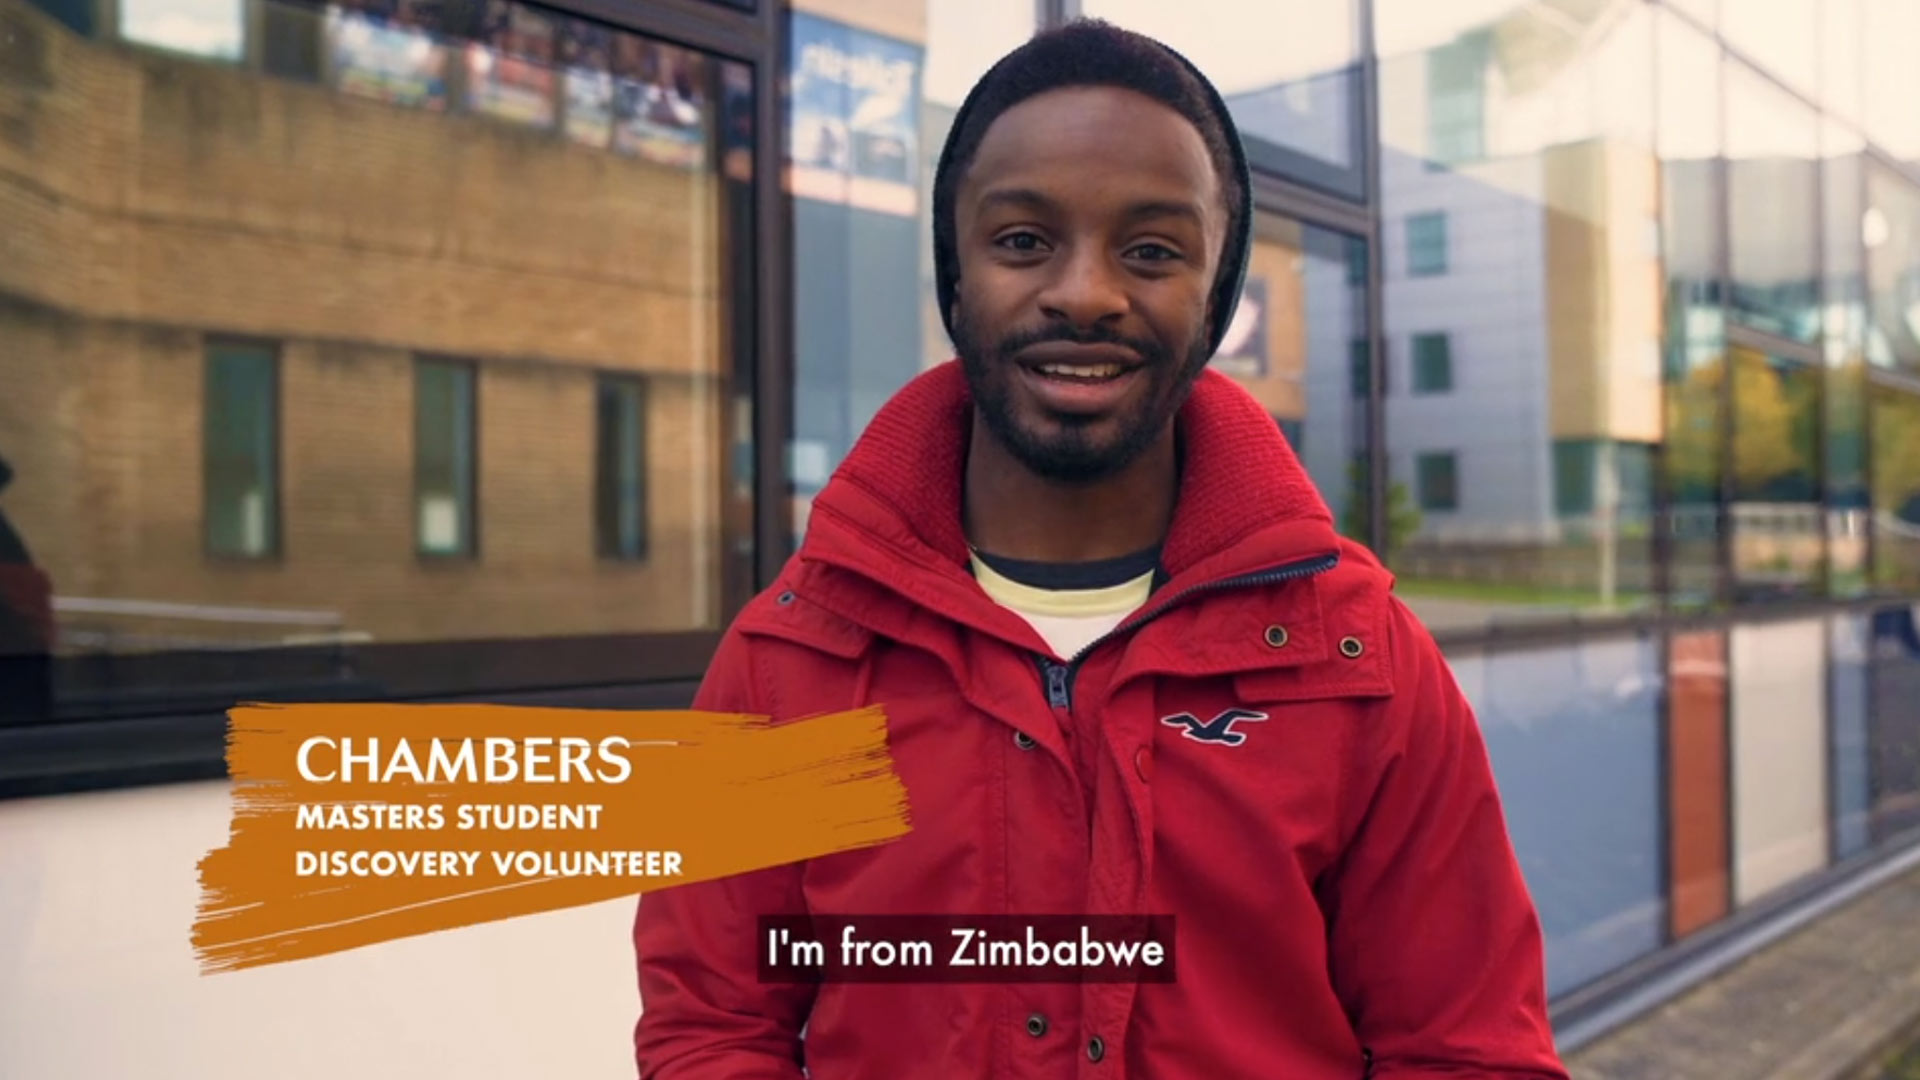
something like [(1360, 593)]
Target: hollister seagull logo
[(1217, 730)]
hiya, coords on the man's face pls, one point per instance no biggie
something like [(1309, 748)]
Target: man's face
[(1088, 230)]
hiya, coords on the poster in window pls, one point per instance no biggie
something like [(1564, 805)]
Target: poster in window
[(660, 108), (853, 100), (510, 67), (1243, 350), (383, 52), (586, 54)]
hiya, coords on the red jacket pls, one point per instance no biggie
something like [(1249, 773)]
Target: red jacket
[(1342, 883)]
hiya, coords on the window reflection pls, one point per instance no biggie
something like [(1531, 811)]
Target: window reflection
[(872, 94), (214, 29), (1892, 77), (1523, 317), (1692, 230), (322, 332), (1773, 152), (1782, 36), (1890, 229), (1777, 523), (1841, 48), (1574, 737), (1891, 234), (1295, 96), (1844, 329), (1706, 11), (1300, 328), (1896, 486)]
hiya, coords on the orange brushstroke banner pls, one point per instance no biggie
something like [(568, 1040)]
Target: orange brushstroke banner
[(360, 823)]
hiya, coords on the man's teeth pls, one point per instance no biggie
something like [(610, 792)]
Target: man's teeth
[(1082, 371)]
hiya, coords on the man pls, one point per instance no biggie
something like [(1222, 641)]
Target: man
[(1128, 666)]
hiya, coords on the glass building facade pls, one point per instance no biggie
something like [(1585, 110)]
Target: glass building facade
[(438, 349)]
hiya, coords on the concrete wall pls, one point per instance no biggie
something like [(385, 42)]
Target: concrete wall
[(98, 975)]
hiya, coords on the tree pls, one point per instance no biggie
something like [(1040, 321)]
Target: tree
[(1403, 517), (1775, 413)]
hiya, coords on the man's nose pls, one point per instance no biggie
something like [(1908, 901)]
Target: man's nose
[(1087, 289)]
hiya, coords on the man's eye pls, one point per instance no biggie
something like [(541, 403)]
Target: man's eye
[(1156, 252), (1023, 241)]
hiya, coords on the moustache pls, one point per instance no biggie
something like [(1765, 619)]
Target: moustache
[(1014, 342)]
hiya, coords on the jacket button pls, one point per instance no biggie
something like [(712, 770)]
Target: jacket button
[(1023, 740), (1096, 1048), (1277, 636), (1143, 764), (785, 598), (1351, 648), (1036, 1025)]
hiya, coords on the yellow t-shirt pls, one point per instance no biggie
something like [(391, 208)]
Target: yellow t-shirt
[(1067, 619)]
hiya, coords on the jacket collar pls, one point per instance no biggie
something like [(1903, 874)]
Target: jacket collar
[(892, 511)]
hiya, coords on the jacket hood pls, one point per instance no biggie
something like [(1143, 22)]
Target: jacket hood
[(1244, 501), (1234, 257)]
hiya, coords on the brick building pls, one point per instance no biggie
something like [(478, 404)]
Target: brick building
[(268, 346)]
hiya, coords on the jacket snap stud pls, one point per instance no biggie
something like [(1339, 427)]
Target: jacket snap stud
[(1023, 740), (786, 597), (1277, 636), (1351, 648), (1036, 1025), (1096, 1048)]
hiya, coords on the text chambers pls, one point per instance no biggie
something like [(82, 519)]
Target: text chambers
[(323, 760)]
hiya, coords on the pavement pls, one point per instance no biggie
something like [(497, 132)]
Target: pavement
[(1832, 1001)]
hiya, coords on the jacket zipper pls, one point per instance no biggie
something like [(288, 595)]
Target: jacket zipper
[(1060, 676)]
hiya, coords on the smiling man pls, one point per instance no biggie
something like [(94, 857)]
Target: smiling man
[(1128, 666)]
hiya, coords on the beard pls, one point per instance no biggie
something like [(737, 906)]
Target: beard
[(1073, 450)]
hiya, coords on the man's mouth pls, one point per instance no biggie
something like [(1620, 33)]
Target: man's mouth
[(1082, 372)]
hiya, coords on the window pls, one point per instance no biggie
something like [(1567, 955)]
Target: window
[(1776, 519), (1773, 186), (241, 429), (1298, 344), (1360, 365), (1438, 476), (1781, 36), (443, 458), (1432, 363), (1892, 78), (1574, 464), (1456, 99), (873, 92), (209, 29), (1427, 244), (1896, 486), (620, 469), (1529, 250), (76, 15), (354, 402), (1295, 96), (1291, 430), (293, 41)]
